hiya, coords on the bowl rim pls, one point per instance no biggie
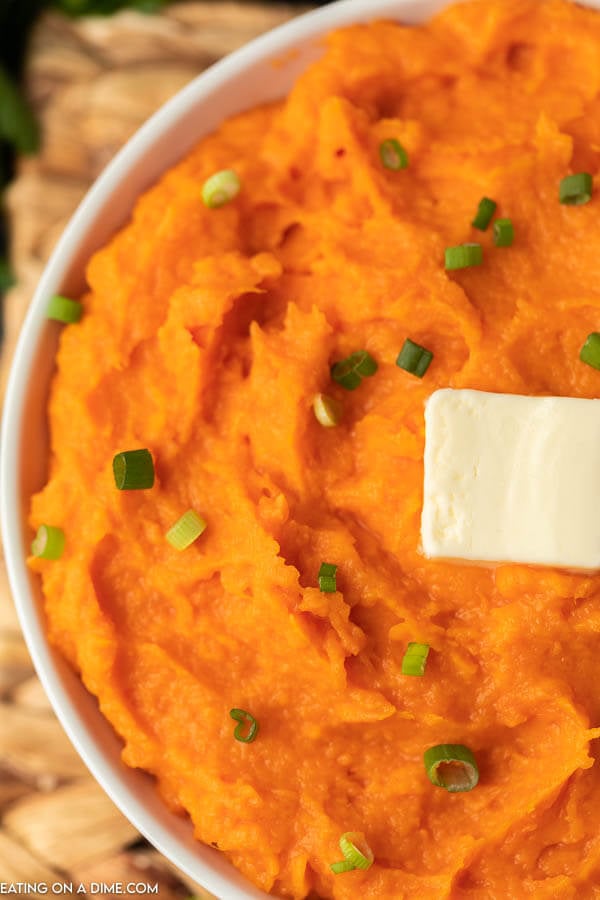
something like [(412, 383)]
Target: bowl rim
[(284, 39)]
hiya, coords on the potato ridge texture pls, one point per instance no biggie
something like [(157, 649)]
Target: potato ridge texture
[(206, 335)]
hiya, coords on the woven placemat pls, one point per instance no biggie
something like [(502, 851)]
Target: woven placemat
[(92, 82)]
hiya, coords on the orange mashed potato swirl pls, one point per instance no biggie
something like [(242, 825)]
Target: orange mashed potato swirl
[(206, 335)]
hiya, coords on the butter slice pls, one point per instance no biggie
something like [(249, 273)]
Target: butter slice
[(512, 479)]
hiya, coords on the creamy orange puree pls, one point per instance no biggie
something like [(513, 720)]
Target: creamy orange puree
[(207, 333)]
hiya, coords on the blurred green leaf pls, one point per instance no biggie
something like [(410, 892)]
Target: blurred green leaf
[(149, 6), (7, 279), (106, 7), (17, 123)]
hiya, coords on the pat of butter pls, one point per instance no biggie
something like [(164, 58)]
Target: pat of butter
[(512, 479)]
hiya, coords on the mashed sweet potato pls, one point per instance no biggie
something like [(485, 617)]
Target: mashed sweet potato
[(205, 337)]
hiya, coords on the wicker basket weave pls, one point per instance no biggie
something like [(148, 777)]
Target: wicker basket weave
[(93, 82)]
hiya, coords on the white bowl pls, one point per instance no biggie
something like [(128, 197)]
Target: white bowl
[(244, 79)]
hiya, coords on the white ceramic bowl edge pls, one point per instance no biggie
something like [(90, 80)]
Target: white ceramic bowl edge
[(242, 80)]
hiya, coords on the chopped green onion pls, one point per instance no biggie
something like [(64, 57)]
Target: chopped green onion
[(590, 352), (451, 766), (415, 659), (133, 470), (393, 155), (244, 718), (348, 846), (327, 585), (576, 189), (349, 372), (414, 359), (345, 376), (220, 188), (328, 411), (64, 310), (503, 232), (463, 256), (365, 365), (185, 530), (344, 865), (48, 543), (485, 211), (327, 578), (357, 853)]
